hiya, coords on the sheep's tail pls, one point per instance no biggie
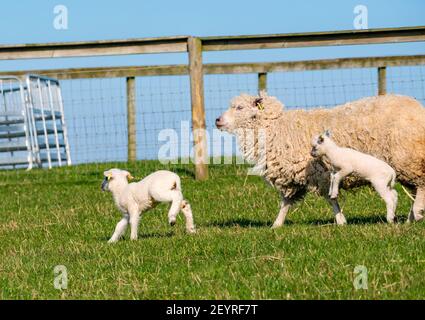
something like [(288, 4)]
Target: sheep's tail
[(177, 184)]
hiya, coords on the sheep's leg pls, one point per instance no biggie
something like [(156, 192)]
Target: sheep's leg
[(134, 223), (418, 205), (335, 181), (331, 184), (119, 229), (187, 211), (388, 196), (285, 204), (176, 199), (339, 217)]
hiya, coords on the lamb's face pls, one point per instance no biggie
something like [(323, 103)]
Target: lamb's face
[(113, 177), (317, 146), (243, 109)]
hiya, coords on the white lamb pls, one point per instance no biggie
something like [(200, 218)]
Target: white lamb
[(345, 161), (132, 199)]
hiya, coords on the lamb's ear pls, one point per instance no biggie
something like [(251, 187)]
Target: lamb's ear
[(108, 174), (258, 103), (129, 176), (328, 133)]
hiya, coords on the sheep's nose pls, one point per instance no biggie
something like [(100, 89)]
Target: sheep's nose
[(218, 120)]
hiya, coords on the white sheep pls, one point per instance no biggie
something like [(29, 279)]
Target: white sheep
[(132, 199), (345, 161), (389, 127)]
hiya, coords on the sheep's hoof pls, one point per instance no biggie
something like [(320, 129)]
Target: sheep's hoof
[(340, 219), (414, 217)]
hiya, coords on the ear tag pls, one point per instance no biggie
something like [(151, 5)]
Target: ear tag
[(109, 177), (260, 106)]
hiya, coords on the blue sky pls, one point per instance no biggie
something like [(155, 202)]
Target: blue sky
[(28, 21)]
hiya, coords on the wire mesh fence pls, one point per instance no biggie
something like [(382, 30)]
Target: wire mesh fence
[(96, 109)]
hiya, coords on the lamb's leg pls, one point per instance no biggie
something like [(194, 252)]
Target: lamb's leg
[(285, 204), (418, 205), (176, 199), (335, 181), (134, 223), (119, 229), (388, 196), (339, 217), (331, 184), (187, 211)]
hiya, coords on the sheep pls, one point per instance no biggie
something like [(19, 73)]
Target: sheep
[(132, 199), (345, 161), (389, 127)]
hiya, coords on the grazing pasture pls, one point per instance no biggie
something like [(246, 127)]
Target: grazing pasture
[(61, 217)]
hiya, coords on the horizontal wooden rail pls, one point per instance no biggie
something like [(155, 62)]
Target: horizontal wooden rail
[(226, 68), (179, 43), (93, 48), (313, 39)]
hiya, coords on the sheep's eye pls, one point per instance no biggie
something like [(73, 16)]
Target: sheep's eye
[(239, 108)]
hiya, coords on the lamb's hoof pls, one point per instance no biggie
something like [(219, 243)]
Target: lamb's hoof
[(112, 241), (191, 231), (340, 219), (172, 222), (276, 226)]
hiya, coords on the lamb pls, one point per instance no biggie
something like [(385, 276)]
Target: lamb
[(132, 199), (388, 127), (345, 161)]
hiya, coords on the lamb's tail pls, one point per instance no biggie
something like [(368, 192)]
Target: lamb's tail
[(177, 184)]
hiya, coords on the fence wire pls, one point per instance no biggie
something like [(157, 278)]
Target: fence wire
[(96, 109)]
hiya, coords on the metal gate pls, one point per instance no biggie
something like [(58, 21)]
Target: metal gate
[(32, 123)]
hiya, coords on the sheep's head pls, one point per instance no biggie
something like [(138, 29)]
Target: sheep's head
[(246, 110), (318, 144), (115, 177)]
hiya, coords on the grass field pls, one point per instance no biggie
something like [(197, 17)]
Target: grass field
[(60, 217)]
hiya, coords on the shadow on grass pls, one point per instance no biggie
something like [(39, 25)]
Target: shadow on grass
[(243, 223), (157, 235), (359, 220)]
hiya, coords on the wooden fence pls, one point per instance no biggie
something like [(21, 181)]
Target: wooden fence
[(194, 46)]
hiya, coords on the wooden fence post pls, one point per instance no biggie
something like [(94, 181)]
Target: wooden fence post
[(198, 110), (382, 80), (131, 119), (262, 81)]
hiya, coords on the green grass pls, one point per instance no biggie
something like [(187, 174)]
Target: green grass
[(60, 217)]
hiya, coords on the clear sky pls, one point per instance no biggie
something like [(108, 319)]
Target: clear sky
[(29, 21)]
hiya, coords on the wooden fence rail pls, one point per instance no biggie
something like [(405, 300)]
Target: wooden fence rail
[(196, 69)]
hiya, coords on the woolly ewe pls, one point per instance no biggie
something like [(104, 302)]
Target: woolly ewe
[(389, 127), (132, 199), (345, 161)]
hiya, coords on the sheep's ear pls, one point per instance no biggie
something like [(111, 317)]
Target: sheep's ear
[(258, 103), (108, 175), (328, 133), (320, 139)]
